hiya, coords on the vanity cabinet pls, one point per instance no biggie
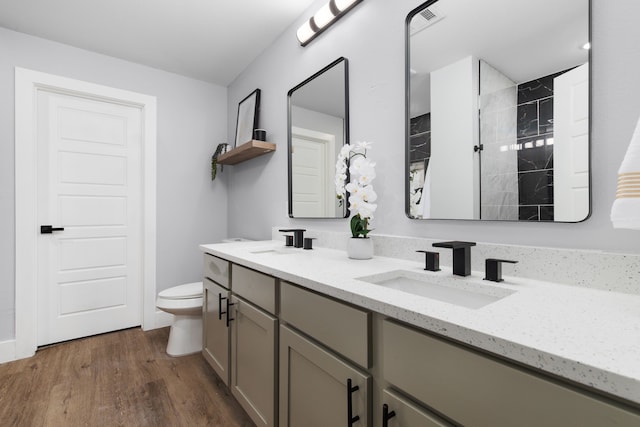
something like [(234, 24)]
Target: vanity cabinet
[(343, 328), (253, 361), (240, 335), (474, 389), (215, 339), (321, 383), (215, 335), (295, 357), (254, 344), (318, 388)]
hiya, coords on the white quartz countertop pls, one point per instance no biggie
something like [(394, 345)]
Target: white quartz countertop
[(586, 335)]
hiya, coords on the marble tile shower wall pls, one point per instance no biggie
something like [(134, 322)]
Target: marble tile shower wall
[(420, 138), (535, 153), (499, 167)]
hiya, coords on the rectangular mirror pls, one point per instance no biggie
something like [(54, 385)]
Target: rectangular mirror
[(498, 110), (318, 128)]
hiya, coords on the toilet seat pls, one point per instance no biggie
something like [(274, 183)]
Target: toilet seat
[(182, 297), (190, 290)]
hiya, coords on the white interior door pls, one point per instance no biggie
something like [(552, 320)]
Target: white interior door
[(89, 183), (571, 145), (310, 169)]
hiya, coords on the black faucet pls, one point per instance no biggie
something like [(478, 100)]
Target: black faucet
[(461, 255), (298, 236)]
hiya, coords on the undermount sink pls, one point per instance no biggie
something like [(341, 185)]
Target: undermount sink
[(461, 292), (274, 251)]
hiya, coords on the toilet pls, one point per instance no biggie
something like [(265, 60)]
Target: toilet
[(185, 303)]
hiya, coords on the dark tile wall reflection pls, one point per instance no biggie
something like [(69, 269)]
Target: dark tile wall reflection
[(535, 149), (420, 138)]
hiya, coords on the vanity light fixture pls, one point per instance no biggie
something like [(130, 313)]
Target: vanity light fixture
[(327, 15)]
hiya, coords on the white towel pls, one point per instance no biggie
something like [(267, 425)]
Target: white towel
[(625, 212)]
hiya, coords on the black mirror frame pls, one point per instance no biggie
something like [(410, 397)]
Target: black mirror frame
[(407, 80), (290, 136)]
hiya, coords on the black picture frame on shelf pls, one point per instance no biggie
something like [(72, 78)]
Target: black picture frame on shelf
[(248, 118)]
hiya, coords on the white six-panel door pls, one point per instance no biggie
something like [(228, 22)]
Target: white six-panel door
[(89, 183)]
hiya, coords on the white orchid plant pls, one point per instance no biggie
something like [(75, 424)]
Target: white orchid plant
[(361, 172)]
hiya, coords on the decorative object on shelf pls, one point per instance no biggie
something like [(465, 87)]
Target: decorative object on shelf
[(259, 134), (248, 117), (327, 15), (354, 166), (625, 212), (220, 149)]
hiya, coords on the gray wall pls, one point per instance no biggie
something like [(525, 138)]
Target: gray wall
[(372, 38), (192, 119)]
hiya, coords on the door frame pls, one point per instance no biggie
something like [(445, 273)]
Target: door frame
[(27, 85)]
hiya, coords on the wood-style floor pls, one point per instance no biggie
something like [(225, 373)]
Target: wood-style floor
[(123, 378)]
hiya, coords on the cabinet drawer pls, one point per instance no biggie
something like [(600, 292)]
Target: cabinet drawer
[(476, 390), (256, 287), (407, 413), (216, 269), (341, 327)]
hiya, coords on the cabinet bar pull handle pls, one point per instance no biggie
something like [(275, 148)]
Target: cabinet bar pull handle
[(350, 418), (229, 318), (386, 415), (220, 312)]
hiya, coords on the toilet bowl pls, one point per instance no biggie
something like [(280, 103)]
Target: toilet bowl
[(185, 303)]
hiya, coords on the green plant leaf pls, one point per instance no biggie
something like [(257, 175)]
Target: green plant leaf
[(220, 149), (359, 226)]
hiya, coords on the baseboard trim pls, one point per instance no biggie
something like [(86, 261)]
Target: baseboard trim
[(7, 351)]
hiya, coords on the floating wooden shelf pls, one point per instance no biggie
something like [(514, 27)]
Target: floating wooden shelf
[(246, 151)]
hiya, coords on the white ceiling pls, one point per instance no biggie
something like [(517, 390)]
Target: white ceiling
[(523, 39), (210, 40)]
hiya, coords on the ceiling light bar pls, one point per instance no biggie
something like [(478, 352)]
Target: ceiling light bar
[(327, 15)]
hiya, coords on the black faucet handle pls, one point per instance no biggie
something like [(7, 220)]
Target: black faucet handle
[(493, 268), (288, 240), (432, 260), (308, 243)]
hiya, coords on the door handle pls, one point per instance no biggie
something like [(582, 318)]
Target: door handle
[(48, 229)]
